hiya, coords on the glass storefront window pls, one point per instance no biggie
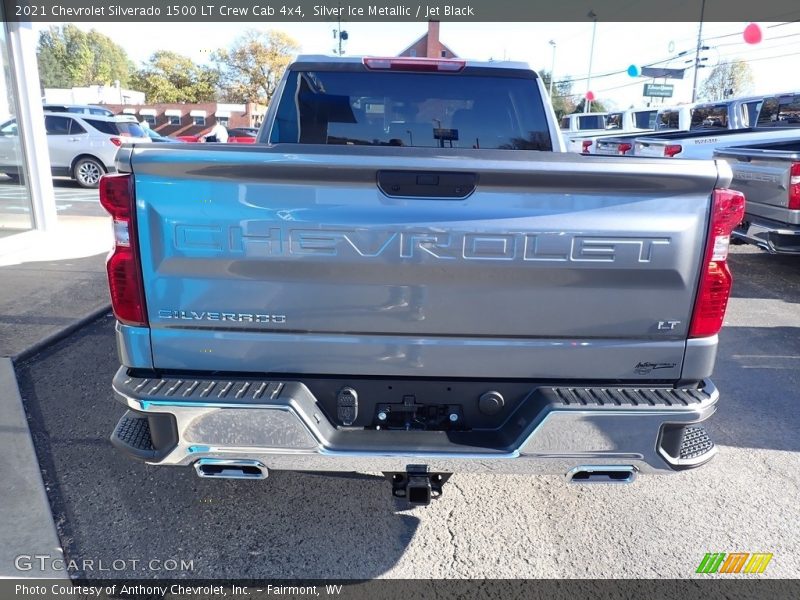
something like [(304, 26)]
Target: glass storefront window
[(15, 200)]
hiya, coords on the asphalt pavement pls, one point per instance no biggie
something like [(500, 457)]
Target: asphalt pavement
[(71, 199), (108, 507)]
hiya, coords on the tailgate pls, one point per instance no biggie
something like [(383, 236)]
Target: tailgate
[(653, 148), (387, 261), (763, 175)]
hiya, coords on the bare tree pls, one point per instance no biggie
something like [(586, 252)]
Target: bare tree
[(726, 80)]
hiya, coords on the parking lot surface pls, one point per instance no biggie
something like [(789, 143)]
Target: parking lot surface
[(307, 525), (71, 199)]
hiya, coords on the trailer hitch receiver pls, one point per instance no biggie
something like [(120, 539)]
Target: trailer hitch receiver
[(417, 485)]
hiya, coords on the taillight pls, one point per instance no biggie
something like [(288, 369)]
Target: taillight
[(624, 148), (414, 64), (672, 149), (585, 145), (116, 141), (123, 264), (794, 187), (727, 211)]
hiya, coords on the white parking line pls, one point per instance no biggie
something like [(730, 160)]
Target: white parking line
[(87, 199)]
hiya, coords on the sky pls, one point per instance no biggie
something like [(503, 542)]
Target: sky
[(617, 45)]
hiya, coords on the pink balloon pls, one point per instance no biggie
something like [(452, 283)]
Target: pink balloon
[(752, 34), (590, 96)]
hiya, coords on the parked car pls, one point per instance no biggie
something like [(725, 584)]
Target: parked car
[(83, 109), (81, 146), (769, 175), (237, 135), (416, 299), (773, 124), (242, 135)]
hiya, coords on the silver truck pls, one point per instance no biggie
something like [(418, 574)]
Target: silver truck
[(700, 119), (769, 175), (583, 122), (632, 120), (778, 120), (407, 275)]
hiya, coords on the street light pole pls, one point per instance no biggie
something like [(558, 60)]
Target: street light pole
[(592, 15), (552, 68)]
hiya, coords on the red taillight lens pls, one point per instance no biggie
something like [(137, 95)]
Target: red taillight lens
[(624, 148), (585, 145), (672, 149), (727, 211), (123, 264), (116, 195), (414, 64), (116, 141), (794, 187), (124, 283)]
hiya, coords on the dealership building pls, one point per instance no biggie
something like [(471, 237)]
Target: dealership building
[(27, 203)]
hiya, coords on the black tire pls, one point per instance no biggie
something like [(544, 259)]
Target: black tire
[(87, 172)]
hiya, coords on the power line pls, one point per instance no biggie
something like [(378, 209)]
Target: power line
[(778, 37), (758, 59), (680, 54)]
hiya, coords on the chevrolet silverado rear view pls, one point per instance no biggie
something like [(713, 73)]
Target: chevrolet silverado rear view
[(407, 275)]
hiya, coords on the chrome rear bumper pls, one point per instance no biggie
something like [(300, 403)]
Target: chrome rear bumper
[(772, 236), (280, 426)]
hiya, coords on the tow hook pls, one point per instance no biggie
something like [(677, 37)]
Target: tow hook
[(417, 485)]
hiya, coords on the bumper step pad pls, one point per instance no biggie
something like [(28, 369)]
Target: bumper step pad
[(688, 446), (132, 434), (696, 443)]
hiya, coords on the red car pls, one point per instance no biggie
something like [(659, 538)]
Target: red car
[(242, 135)]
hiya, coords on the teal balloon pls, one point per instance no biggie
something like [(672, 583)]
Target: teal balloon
[(634, 71)]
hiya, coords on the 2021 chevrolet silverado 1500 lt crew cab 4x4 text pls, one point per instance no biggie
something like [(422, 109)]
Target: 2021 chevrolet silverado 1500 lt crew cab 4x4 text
[(769, 175), (407, 274)]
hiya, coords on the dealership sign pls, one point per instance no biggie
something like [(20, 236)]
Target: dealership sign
[(658, 90)]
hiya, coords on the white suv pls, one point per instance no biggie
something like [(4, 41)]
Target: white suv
[(82, 147)]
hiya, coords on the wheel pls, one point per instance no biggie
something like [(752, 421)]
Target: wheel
[(87, 172)]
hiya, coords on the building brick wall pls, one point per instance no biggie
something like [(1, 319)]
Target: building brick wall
[(251, 117)]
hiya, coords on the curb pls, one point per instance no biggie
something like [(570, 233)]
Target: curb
[(27, 528), (61, 334), (27, 534)]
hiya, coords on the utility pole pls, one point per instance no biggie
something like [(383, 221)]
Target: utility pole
[(699, 47), (552, 68), (592, 15)]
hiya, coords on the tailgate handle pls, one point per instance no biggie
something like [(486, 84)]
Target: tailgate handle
[(427, 184)]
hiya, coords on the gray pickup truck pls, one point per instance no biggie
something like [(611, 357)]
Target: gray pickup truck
[(407, 275), (769, 175)]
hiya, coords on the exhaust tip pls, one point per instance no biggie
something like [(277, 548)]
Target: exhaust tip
[(602, 474), (218, 468)]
